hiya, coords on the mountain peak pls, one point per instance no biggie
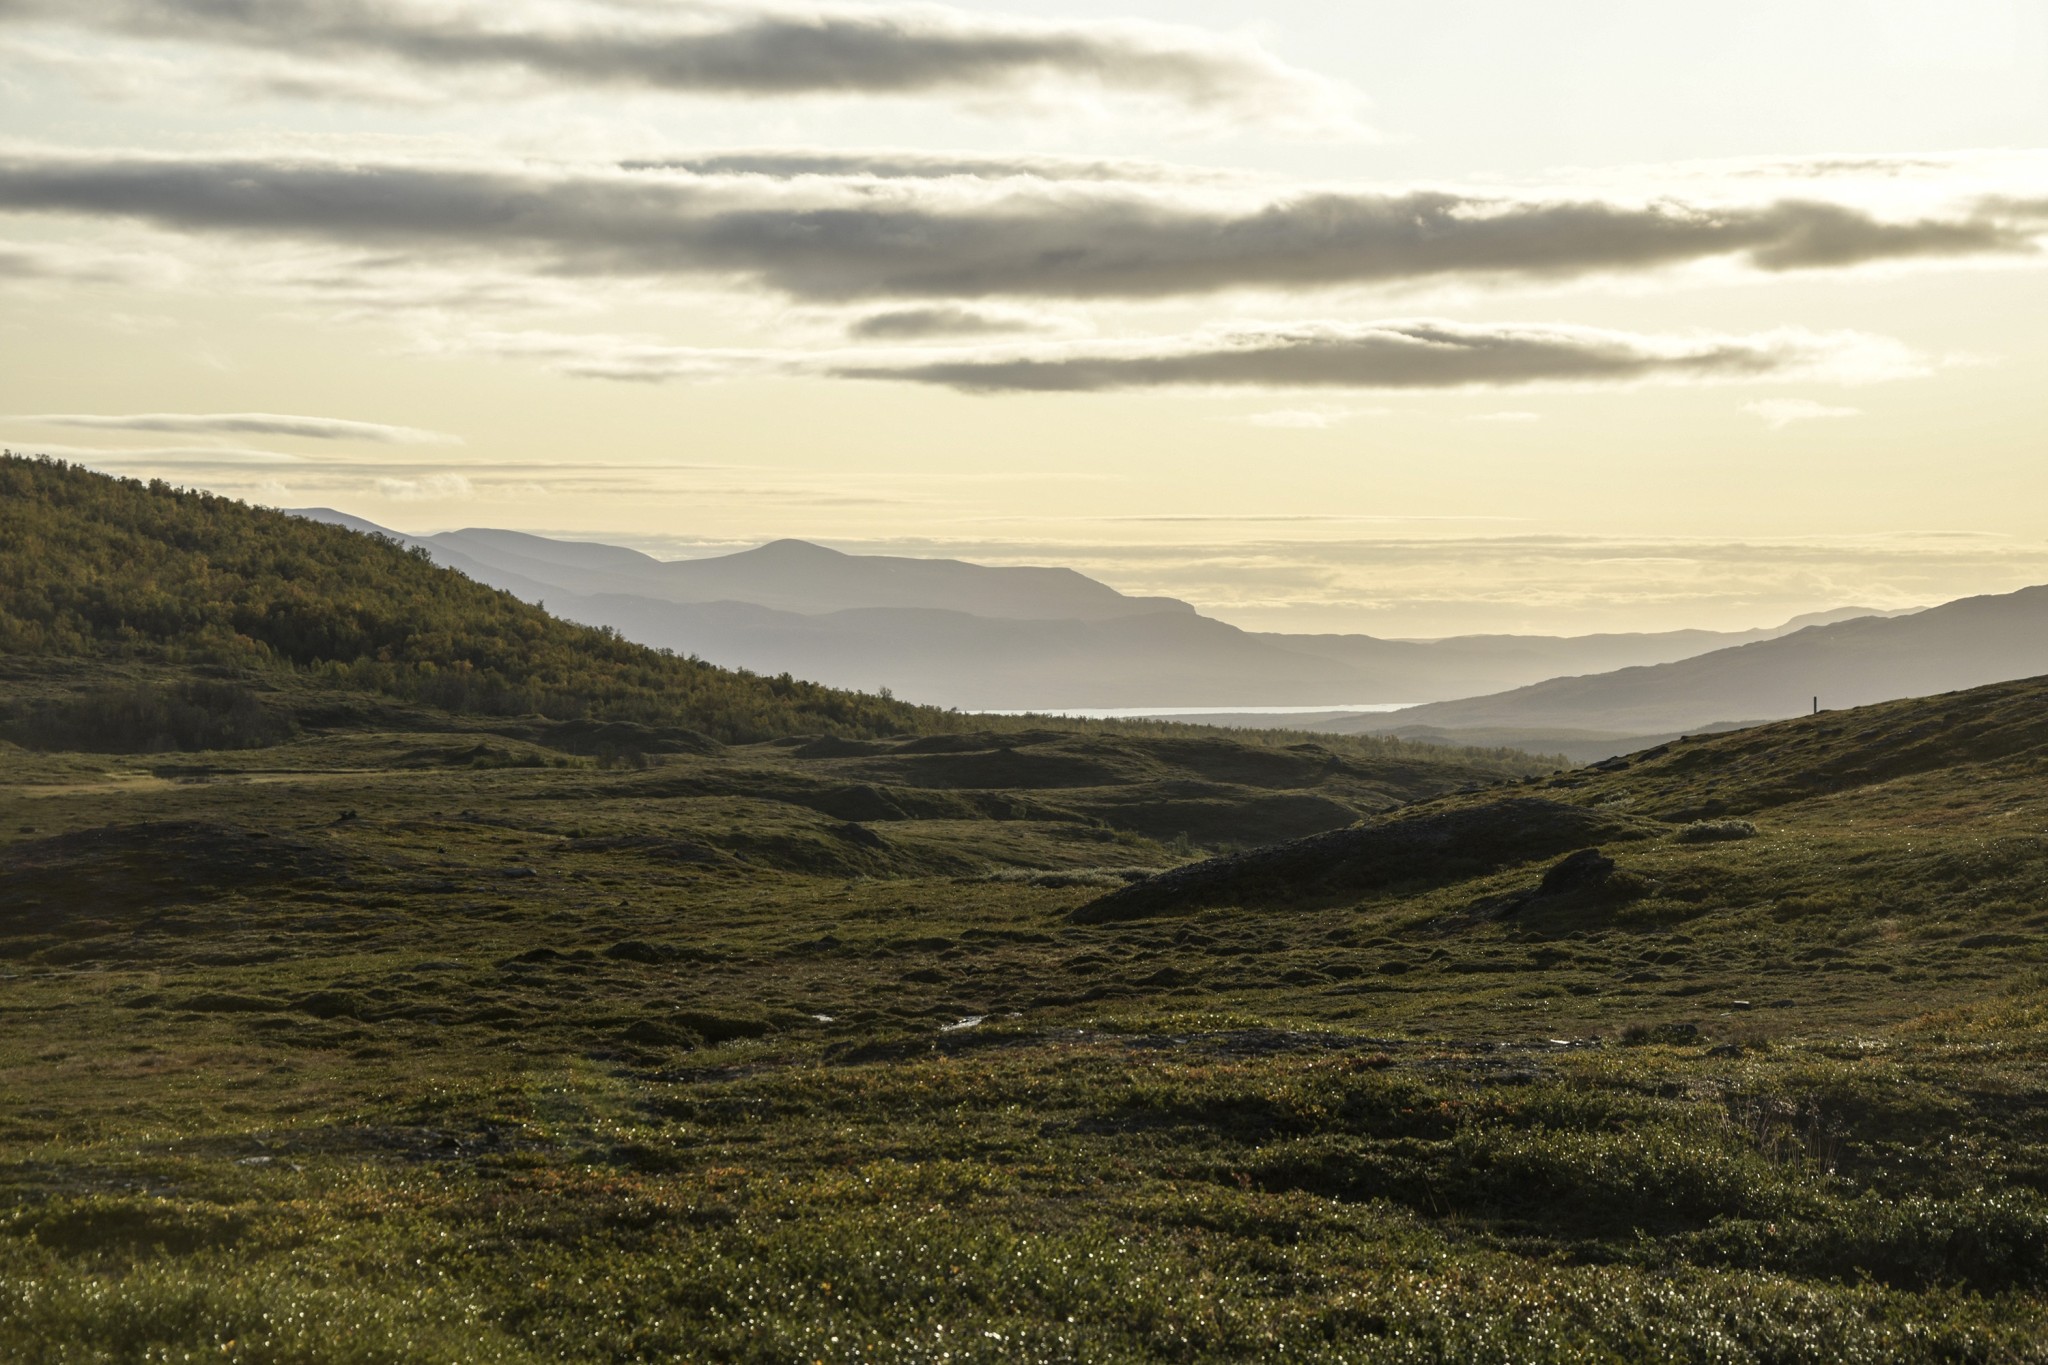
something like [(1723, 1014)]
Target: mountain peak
[(789, 548)]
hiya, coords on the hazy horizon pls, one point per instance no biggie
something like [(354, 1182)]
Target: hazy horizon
[(1484, 318)]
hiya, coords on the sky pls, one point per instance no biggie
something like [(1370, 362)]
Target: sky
[(1485, 315)]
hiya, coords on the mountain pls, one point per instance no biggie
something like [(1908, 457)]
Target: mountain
[(981, 662), (1961, 644), (951, 633), (1473, 665), (784, 575)]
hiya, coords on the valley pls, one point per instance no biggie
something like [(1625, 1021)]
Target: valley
[(344, 1026)]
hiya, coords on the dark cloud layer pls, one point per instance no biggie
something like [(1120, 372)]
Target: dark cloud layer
[(695, 48), (932, 240), (909, 324), (1392, 355)]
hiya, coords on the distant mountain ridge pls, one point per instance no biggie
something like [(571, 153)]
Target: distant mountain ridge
[(979, 637), (786, 575), (980, 662), (1967, 643), (1474, 665)]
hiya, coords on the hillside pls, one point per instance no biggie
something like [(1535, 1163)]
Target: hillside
[(1961, 644), (96, 567), (1716, 783)]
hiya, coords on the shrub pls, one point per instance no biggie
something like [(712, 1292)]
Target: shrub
[(145, 720)]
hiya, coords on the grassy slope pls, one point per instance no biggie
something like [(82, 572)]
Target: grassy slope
[(99, 567), (573, 1064)]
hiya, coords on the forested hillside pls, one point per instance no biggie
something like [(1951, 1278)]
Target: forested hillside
[(98, 567)]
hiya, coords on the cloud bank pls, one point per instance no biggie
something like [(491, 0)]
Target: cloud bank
[(1405, 354), (705, 49), (246, 424), (826, 240), (1419, 354), (908, 324)]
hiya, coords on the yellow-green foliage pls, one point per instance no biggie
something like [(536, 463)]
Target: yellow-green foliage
[(91, 565)]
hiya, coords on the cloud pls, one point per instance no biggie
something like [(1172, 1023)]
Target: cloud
[(834, 240), (1780, 413), (906, 324), (247, 424), (629, 359), (427, 488), (1417, 354), (774, 52), (1506, 417), (1410, 354), (107, 72), (39, 263), (17, 264)]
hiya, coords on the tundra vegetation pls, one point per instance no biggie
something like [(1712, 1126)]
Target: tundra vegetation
[(611, 1007)]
